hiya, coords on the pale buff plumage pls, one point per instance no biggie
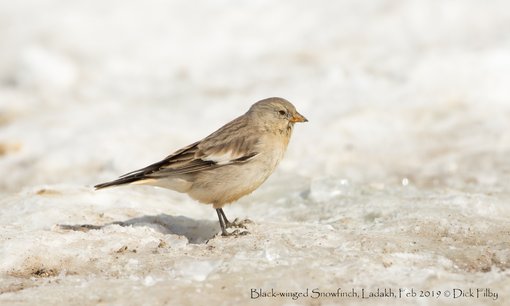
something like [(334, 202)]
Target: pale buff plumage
[(228, 164)]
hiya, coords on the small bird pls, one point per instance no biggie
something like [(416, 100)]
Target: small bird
[(228, 164)]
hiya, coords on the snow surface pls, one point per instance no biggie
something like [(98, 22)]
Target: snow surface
[(400, 180)]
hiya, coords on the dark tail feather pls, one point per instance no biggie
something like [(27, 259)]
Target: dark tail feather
[(134, 176), (120, 181)]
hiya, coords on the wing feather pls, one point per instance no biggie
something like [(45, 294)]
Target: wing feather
[(232, 144)]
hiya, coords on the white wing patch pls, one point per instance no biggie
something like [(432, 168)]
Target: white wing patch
[(221, 159)]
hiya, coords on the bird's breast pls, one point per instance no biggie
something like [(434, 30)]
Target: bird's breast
[(227, 184)]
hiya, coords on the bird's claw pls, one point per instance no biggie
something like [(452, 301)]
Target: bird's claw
[(235, 233), (238, 223)]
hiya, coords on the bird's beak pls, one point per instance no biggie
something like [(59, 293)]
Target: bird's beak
[(298, 118)]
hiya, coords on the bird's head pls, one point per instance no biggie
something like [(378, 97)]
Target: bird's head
[(276, 113)]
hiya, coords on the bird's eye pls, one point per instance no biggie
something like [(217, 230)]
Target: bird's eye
[(282, 112)]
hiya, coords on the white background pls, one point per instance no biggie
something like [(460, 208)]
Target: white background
[(399, 180)]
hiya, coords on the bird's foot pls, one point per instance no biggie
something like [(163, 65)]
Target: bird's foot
[(236, 233), (238, 223), (224, 224)]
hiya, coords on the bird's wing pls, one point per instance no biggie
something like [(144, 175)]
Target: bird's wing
[(234, 143), (180, 157), (228, 146), (231, 144)]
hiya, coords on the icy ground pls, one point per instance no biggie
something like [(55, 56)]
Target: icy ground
[(399, 181)]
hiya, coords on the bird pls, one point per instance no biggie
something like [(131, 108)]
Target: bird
[(229, 163)]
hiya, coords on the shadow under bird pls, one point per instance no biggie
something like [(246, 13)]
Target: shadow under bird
[(228, 164)]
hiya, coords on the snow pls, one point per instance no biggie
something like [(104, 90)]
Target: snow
[(398, 181)]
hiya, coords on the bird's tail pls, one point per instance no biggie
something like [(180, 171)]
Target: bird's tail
[(120, 181), (140, 175)]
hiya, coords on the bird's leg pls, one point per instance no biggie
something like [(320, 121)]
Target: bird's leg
[(227, 223), (221, 215), (237, 223)]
